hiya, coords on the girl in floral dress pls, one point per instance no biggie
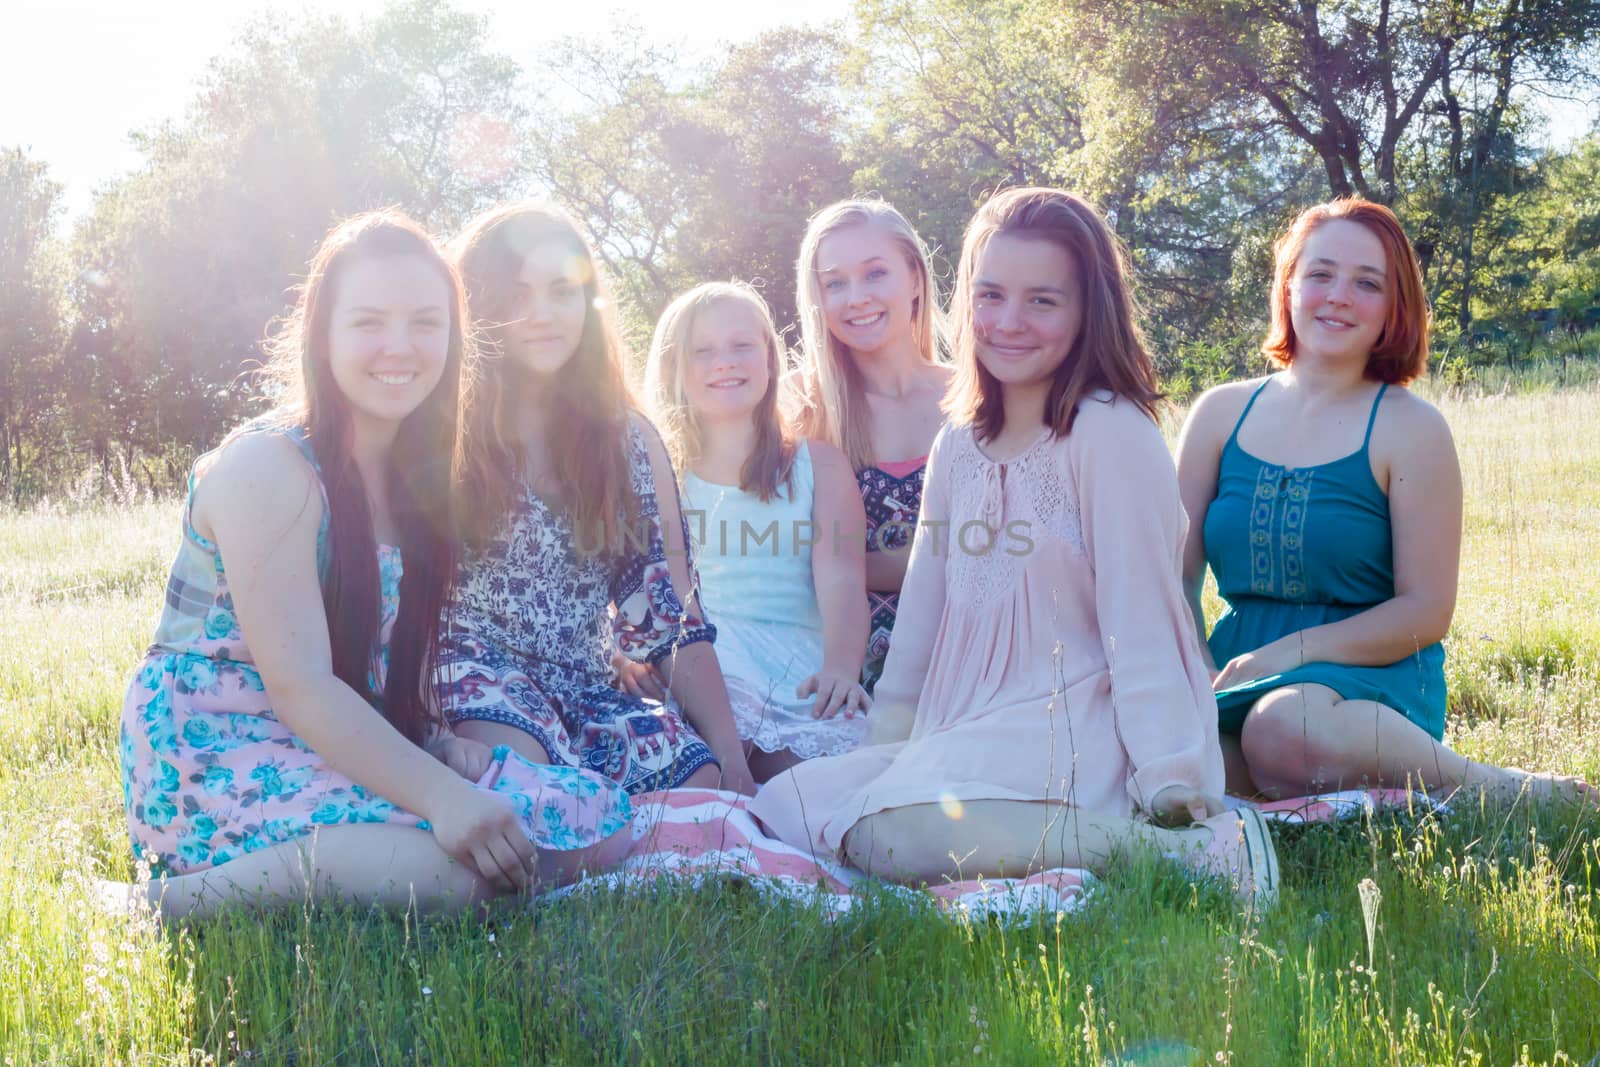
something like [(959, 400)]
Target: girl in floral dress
[(1046, 695), (277, 740), (579, 545), (871, 378), (779, 523)]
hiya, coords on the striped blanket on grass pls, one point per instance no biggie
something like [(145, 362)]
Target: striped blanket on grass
[(696, 835)]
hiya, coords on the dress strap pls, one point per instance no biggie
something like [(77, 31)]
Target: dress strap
[(1234, 436), (301, 440), (1373, 418)]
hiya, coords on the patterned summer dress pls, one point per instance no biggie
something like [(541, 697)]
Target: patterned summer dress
[(756, 584), (891, 492), (1296, 547), (208, 771), (529, 642)]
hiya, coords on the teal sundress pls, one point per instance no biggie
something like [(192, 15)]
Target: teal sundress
[(1297, 547)]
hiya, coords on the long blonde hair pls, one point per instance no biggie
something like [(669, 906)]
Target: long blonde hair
[(828, 404), (771, 462)]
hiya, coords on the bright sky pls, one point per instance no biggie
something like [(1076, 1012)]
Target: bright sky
[(77, 75)]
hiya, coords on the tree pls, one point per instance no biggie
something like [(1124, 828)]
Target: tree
[(1351, 78), (689, 180), (960, 99), (30, 315), (968, 97), (1547, 259), (301, 124)]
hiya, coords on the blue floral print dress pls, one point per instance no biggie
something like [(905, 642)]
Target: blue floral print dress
[(208, 771), (537, 614)]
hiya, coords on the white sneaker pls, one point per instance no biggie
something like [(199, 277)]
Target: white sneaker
[(1241, 853)]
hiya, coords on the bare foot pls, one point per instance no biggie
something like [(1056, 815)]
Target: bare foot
[(1542, 787)]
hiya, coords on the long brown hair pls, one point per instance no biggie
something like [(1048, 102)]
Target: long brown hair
[(589, 424), (771, 462), (424, 462), (1109, 351), (829, 405), (1400, 355)]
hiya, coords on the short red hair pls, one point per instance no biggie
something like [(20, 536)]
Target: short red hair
[(1400, 355)]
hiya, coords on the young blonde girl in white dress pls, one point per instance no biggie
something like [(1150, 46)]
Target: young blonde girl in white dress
[(777, 525)]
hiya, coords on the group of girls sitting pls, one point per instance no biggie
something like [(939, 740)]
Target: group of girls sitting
[(476, 600)]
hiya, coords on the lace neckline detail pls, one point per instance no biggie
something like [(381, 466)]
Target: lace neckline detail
[(1045, 435)]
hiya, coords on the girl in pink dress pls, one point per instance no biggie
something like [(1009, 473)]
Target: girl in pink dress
[(277, 739), (1045, 697)]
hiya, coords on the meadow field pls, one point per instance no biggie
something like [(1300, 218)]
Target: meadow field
[(1477, 941)]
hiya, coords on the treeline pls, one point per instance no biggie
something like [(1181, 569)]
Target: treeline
[(1200, 126)]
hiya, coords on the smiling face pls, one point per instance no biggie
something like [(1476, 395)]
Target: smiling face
[(1339, 294), (388, 335), (868, 288), (727, 366), (548, 308), (1027, 308)]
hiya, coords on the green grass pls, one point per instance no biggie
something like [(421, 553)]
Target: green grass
[(1485, 945)]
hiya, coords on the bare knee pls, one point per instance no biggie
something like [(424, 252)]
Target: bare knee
[(889, 845), (867, 844), (1284, 740)]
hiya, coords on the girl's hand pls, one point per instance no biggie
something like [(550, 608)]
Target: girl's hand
[(637, 679), (468, 758), (482, 831), (1280, 657), (836, 691), (1178, 805)]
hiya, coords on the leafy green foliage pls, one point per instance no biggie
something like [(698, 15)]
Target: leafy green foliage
[(1199, 128)]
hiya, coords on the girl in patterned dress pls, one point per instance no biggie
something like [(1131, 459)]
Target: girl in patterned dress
[(577, 544), (1045, 697), (872, 374), (779, 529), (277, 739), (1327, 500)]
